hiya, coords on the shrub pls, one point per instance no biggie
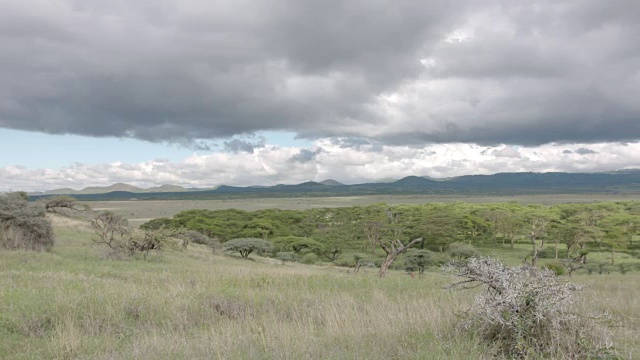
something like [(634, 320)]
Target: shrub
[(419, 260), (158, 223), (345, 261), (246, 246), (62, 201), (24, 225), (558, 269), (525, 312), (309, 259), (460, 251), (286, 256), (196, 237), (113, 231)]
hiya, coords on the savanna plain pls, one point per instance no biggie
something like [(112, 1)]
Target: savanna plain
[(193, 303)]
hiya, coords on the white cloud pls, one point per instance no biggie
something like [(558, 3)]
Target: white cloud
[(271, 165)]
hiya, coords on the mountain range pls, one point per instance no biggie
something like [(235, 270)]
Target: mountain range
[(615, 182)]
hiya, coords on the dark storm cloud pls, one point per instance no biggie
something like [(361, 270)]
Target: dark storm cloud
[(176, 71), (305, 155)]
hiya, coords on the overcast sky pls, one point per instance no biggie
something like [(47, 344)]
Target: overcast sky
[(199, 93)]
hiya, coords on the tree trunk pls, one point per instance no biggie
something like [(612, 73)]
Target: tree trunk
[(394, 251), (613, 253), (387, 262)]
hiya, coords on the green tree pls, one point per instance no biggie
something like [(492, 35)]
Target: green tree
[(246, 246), (420, 259)]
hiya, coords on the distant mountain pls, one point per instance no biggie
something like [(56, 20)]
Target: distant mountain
[(118, 187), (166, 188), (413, 181), (331, 182), (616, 182)]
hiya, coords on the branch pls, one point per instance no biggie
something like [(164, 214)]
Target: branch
[(404, 248)]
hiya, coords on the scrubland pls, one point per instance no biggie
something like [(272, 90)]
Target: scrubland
[(70, 303)]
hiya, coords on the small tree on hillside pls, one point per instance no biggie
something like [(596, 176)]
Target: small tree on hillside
[(24, 225), (111, 230), (420, 259), (64, 201), (246, 246)]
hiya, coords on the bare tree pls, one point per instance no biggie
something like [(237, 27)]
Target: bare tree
[(393, 248), (111, 230)]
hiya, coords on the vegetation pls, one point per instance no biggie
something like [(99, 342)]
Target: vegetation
[(113, 232), (247, 246), (73, 303), (192, 304), (23, 225), (526, 313), (565, 234)]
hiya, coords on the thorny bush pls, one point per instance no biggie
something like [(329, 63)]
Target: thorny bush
[(526, 313)]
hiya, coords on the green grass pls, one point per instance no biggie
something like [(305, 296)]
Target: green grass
[(70, 303)]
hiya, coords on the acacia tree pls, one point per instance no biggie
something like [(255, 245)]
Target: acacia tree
[(392, 245), (246, 246), (113, 231), (64, 201)]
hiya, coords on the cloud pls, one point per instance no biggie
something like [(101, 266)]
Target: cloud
[(305, 155), (270, 165), (585, 151), (507, 152), (238, 145), (398, 73)]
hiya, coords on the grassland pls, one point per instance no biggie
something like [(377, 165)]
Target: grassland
[(70, 303), (139, 212)]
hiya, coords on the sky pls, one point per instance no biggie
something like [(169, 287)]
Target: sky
[(260, 92)]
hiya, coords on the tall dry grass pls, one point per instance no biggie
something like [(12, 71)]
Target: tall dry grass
[(70, 304)]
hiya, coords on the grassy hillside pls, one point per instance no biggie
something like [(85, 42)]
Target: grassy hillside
[(70, 303)]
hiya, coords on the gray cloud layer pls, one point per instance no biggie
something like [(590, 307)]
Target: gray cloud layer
[(397, 72)]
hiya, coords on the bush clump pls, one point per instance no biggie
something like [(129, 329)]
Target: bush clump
[(460, 250), (24, 225), (309, 259), (525, 312), (419, 260), (557, 268), (246, 246)]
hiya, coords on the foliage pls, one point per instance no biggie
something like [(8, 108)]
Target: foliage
[(526, 312), (557, 268), (196, 237), (158, 223), (461, 251), (309, 259), (63, 201), (286, 256), (24, 225), (568, 230), (113, 231), (246, 246), (419, 259)]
